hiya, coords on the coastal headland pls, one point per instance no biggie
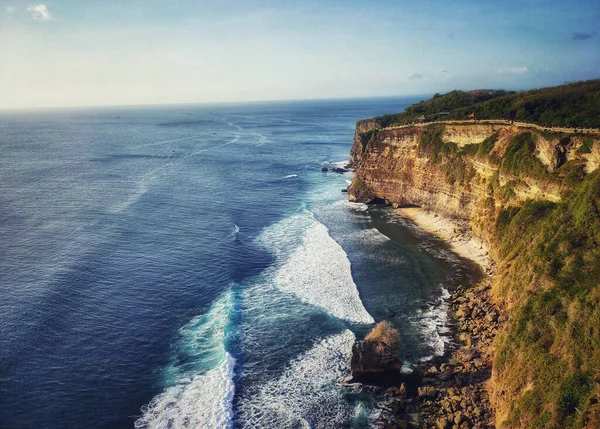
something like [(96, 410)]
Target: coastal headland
[(522, 200)]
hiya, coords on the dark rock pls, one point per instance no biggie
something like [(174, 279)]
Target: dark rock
[(339, 170), (375, 362), (324, 170), (446, 374), (344, 190)]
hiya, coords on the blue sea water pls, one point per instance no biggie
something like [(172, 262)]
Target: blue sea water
[(190, 266)]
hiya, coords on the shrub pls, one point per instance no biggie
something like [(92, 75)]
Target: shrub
[(384, 333), (586, 147), (519, 158)]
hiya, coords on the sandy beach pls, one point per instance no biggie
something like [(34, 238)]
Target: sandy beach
[(459, 237)]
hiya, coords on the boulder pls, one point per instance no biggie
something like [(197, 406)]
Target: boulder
[(446, 374), (427, 392), (339, 170), (443, 423), (375, 362), (324, 170)]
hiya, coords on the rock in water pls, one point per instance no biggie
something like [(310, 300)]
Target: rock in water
[(374, 362), (324, 170), (375, 359)]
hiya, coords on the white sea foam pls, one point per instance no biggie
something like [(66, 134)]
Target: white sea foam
[(306, 395), (233, 140), (359, 207), (433, 325), (315, 268), (262, 139), (167, 141), (204, 401), (199, 380), (289, 176), (140, 189), (150, 177), (341, 164), (298, 122)]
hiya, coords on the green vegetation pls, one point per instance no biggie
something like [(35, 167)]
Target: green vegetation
[(519, 158), (572, 172), (358, 186), (447, 154), (547, 362), (431, 144), (586, 147), (438, 104), (571, 105), (549, 355), (369, 140)]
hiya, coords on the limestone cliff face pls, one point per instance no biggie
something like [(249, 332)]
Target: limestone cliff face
[(442, 169), (504, 180)]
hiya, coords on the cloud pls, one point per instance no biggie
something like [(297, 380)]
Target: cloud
[(514, 70), (582, 36), (39, 12), (9, 10), (415, 76)]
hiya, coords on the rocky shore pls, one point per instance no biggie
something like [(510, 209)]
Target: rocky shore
[(452, 391)]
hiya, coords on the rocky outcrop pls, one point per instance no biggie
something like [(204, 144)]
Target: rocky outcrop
[(452, 393), (374, 363), (375, 359)]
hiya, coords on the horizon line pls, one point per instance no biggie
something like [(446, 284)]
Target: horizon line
[(264, 101), (207, 103)]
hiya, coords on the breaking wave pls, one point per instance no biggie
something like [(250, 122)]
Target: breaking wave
[(314, 267), (307, 394), (199, 381)]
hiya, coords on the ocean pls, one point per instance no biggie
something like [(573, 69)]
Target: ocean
[(191, 266)]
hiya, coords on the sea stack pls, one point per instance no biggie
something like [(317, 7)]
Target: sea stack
[(375, 359)]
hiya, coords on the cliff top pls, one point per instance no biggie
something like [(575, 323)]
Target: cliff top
[(570, 105)]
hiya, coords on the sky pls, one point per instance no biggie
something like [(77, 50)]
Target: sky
[(111, 52)]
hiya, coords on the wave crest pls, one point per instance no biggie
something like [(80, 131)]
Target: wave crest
[(199, 380), (315, 267)]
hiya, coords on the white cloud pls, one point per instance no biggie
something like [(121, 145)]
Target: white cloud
[(39, 12), (514, 70), (9, 10)]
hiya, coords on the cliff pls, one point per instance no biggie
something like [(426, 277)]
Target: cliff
[(533, 195), (468, 172)]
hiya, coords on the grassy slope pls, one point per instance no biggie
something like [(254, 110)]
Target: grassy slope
[(548, 356)]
